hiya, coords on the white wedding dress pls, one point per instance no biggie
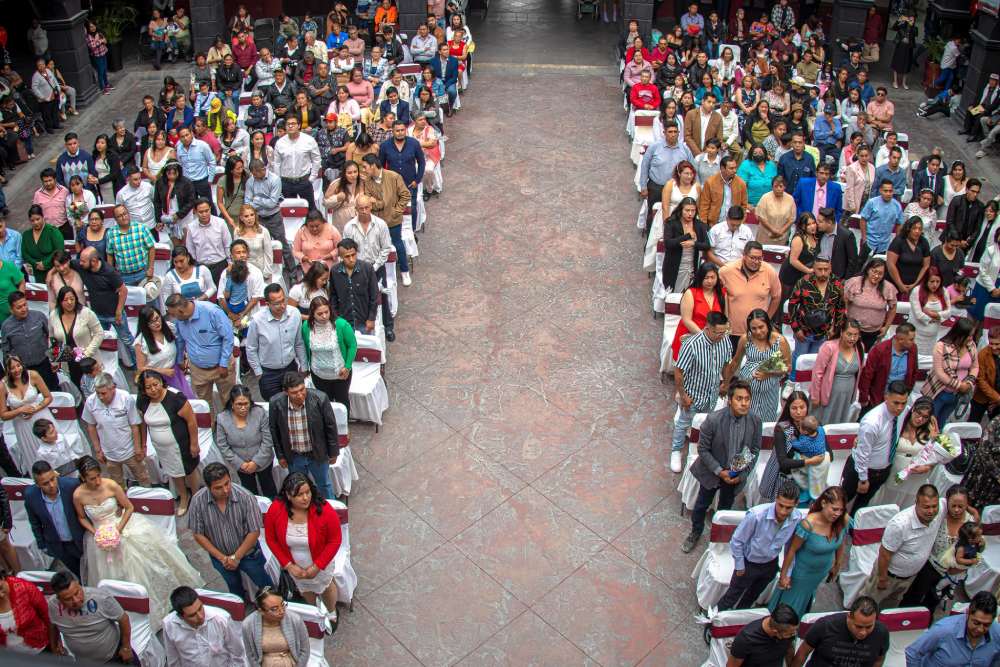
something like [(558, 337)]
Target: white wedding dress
[(144, 556)]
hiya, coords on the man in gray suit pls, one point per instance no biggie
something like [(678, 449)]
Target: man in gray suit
[(724, 434)]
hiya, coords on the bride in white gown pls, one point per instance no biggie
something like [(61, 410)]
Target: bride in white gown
[(143, 555)]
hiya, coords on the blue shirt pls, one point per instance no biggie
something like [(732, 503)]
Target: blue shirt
[(793, 169), (10, 249), (881, 217), (408, 162), (58, 513), (760, 538), (659, 160), (897, 369), (206, 336), (827, 132), (945, 645), (897, 177), (197, 160)]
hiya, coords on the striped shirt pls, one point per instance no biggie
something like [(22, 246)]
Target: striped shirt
[(225, 529), (298, 430), (130, 249), (702, 362)]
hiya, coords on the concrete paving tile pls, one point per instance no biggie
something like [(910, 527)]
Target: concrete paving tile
[(527, 642), (363, 642)]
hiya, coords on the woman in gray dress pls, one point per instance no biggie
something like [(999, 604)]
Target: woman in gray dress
[(243, 437), (835, 376)]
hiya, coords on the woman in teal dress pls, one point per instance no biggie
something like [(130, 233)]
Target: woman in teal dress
[(817, 551)]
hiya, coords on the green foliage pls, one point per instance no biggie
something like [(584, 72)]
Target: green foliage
[(114, 19)]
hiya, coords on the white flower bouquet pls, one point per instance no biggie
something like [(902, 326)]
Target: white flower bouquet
[(941, 449), (773, 364)]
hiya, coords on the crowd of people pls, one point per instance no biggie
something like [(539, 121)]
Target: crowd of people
[(791, 222), (261, 326)]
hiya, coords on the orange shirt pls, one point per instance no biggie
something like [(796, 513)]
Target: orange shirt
[(744, 294), (383, 15)]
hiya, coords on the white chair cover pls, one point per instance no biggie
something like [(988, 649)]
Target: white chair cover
[(107, 354), (161, 261), (28, 553), (315, 624), (232, 605), (40, 578), (714, 569), (157, 505), (369, 396), (643, 128), (775, 255), (905, 625), (343, 473), (409, 240), (640, 220), (391, 290), (38, 297), (206, 438), (293, 215), (866, 536), (671, 320), (63, 408), (688, 486), (840, 439), (967, 432), (984, 576), (271, 565), (655, 234), (343, 571), (725, 626), (803, 372), (658, 289), (135, 601)]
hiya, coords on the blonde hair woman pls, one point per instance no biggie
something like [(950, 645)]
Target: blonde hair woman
[(249, 229)]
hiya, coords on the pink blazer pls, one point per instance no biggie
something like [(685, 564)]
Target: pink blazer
[(826, 368)]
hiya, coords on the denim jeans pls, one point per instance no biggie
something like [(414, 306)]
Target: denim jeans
[(945, 78), (452, 91), (396, 233), (134, 278), (944, 405), (682, 423), (318, 470), (253, 565), (810, 345), (125, 338), (101, 64)]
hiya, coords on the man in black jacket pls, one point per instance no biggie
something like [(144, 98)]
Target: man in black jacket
[(304, 431), (838, 244), (965, 212), (354, 294)]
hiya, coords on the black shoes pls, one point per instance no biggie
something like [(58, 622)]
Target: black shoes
[(390, 335), (690, 543)]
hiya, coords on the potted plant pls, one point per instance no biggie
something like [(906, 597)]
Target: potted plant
[(932, 64), (112, 22)]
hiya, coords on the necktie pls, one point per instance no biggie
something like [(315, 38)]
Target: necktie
[(894, 440)]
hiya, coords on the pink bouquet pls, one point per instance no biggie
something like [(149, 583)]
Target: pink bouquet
[(107, 537), (941, 449)]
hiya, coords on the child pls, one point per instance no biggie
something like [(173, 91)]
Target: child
[(91, 369), (956, 561), (54, 447), (810, 442), (959, 294), (173, 28)]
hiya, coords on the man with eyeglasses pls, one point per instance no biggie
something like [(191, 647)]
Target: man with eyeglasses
[(881, 110), (965, 214), (750, 284)]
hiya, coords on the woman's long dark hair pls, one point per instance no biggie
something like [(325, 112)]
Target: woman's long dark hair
[(315, 304), (316, 271), (342, 183), (230, 167), (107, 146), (923, 432), (239, 391), (786, 413), (831, 495), (8, 376), (63, 291), (874, 263), (907, 227), (145, 313), (759, 314), (960, 332), (140, 382), (699, 279), (924, 293), (291, 486)]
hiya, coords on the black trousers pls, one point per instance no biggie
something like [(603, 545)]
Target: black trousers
[(217, 269), (271, 379), (387, 319), (868, 339), (978, 410), (48, 375), (727, 493), (971, 125), (338, 391), (654, 195), (298, 188), (276, 228), (260, 483), (876, 478), (7, 461), (923, 589), (203, 190), (744, 590), (50, 114), (70, 554)]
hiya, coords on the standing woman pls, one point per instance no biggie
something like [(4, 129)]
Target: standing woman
[(759, 344), (274, 635), (39, 244), (987, 289), (683, 184), (156, 350), (122, 143), (685, 240), (903, 54), (909, 257), (919, 427), (780, 466), (929, 307), (168, 420), (991, 225), (244, 439), (73, 325), (62, 274), (835, 376), (109, 170), (956, 366), (156, 156), (79, 202), (97, 45), (817, 552), (190, 280), (93, 235), (341, 197), (303, 533), (775, 212), (954, 185), (705, 295), (258, 240), (330, 350), (259, 150), (230, 191), (173, 200), (801, 255), (759, 173), (747, 98), (24, 399), (871, 300)]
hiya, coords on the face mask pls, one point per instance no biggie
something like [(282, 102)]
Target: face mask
[(759, 158)]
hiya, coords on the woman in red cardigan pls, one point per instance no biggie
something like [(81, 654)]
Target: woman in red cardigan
[(303, 533), (24, 617)]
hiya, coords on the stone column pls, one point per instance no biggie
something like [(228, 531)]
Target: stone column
[(411, 14), (69, 48), (208, 19), (642, 12), (985, 60), (849, 19)]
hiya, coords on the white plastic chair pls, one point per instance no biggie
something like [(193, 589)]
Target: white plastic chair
[(671, 320), (344, 472), (968, 433), (905, 625), (866, 537), (984, 576), (752, 488), (28, 553), (135, 299), (840, 439), (316, 627), (688, 486), (232, 605), (775, 255), (38, 297), (157, 505), (725, 626), (107, 354), (408, 234), (368, 394), (271, 565), (206, 438), (134, 599), (804, 372), (714, 569), (293, 215), (391, 289)]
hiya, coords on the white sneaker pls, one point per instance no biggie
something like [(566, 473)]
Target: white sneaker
[(980, 154), (675, 461), (406, 278)]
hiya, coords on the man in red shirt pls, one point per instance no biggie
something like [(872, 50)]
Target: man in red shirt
[(645, 95), (245, 55)]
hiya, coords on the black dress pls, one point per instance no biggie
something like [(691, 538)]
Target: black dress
[(906, 41), (173, 403), (910, 260)]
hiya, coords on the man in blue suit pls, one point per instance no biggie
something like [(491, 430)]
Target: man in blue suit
[(813, 194), (395, 105), (446, 68), (49, 505)]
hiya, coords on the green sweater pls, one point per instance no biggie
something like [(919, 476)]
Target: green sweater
[(49, 241), (345, 339)]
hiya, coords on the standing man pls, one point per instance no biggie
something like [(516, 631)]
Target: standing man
[(208, 239), (354, 289), (796, 163), (766, 642), (107, 296), (657, 168), (25, 334), (112, 423), (894, 170), (74, 161), (274, 342), (197, 162), (856, 636), (304, 431), (814, 194), (403, 155), (724, 434), (965, 213), (131, 249), (95, 627), (888, 361), (226, 522), (971, 638), (870, 462), (297, 161), (374, 246), (702, 124), (816, 309), (392, 205), (837, 244), (721, 193), (196, 635), (52, 516), (750, 284), (45, 88), (263, 192), (931, 178), (52, 198), (700, 377), (137, 197), (205, 342), (879, 218), (758, 540), (729, 237)]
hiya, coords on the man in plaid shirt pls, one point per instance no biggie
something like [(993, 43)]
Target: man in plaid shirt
[(131, 248), (816, 309)]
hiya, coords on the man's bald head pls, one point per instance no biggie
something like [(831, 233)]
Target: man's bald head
[(88, 256)]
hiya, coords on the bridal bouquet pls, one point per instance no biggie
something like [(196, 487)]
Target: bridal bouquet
[(773, 364), (107, 537), (78, 210), (740, 462), (941, 449)]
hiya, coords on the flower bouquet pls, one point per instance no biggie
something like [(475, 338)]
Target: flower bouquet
[(740, 462), (941, 449), (773, 364), (107, 537), (78, 211)]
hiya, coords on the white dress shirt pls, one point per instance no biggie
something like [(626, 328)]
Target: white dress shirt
[(208, 244), (297, 159), (375, 244), (730, 128), (728, 245), (139, 202), (875, 437), (215, 642), (255, 283), (910, 541)]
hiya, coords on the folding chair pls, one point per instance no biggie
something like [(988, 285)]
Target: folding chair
[(343, 473), (409, 239), (840, 439), (853, 223), (21, 537), (232, 605), (866, 537), (985, 575), (752, 488), (63, 408), (905, 625), (391, 287), (161, 260), (368, 394), (804, 372), (775, 255), (671, 320), (688, 486), (714, 569), (293, 215), (278, 262), (135, 299), (316, 627), (38, 297), (725, 626), (134, 599), (157, 505)]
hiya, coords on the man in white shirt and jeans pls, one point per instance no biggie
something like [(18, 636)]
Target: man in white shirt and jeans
[(137, 197), (297, 162), (870, 462), (906, 545), (112, 423), (196, 635)]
